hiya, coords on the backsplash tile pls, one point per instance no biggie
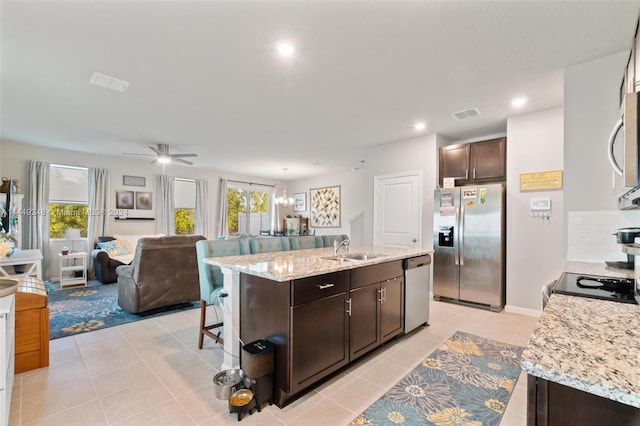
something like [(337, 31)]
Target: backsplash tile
[(590, 234)]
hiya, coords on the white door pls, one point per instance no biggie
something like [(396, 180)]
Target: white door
[(398, 210)]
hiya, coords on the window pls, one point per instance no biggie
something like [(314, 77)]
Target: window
[(248, 207), (185, 206), (68, 200)]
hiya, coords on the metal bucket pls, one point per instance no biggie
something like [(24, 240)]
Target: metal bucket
[(226, 382)]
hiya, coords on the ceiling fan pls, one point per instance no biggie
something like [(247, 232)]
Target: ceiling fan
[(164, 156)]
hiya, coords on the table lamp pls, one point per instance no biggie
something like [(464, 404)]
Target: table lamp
[(72, 235)]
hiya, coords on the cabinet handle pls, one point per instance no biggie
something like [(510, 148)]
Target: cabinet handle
[(323, 286), (381, 299), (348, 306), (474, 172), (466, 174)]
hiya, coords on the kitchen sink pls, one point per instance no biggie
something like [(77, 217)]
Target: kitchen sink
[(355, 257)]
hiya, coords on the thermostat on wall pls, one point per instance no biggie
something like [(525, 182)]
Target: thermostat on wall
[(541, 203)]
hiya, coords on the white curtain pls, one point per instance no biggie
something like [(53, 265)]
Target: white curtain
[(165, 204), (202, 208), (223, 227), (98, 204), (37, 225)]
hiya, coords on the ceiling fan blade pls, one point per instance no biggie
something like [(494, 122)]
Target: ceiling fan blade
[(180, 160), (154, 149), (154, 161), (183, 155), (135, 153)]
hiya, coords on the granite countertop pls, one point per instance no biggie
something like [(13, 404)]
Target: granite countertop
[(294, 264), (598, 268), (588, 344)]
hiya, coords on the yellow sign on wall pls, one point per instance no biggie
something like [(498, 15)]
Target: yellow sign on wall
[(541, 181)]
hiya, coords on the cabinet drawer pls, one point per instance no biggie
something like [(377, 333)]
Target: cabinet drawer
[(313, 288), (376, 273)]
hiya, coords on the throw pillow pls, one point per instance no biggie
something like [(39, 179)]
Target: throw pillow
[(114, 248)]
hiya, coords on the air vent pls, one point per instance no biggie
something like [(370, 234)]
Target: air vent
[(109, 82), (461, 115)]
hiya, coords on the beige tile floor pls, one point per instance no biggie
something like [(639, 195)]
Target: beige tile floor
[(151, 373)]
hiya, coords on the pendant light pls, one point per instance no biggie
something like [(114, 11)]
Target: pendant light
[(284, 201)]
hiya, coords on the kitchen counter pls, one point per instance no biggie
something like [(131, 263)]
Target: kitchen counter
[(284, 266), (588, 344), (598, 268), (294, 264)]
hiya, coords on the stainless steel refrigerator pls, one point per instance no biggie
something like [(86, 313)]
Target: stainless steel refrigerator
[(469, 245)]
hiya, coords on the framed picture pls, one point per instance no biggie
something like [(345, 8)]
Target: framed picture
[(124, 199), (133, 180), (143, 200), (325, 207), (300, 202)]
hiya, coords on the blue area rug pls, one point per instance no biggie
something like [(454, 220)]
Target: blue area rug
[(82, 309), (467, 381)]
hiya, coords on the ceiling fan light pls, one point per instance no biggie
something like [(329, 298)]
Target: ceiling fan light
[(164, 159)]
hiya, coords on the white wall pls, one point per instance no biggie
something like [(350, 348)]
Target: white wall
[(351, 193), (15, 156), (535, 246)]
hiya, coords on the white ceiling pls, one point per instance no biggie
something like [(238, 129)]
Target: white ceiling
[(205, 77)]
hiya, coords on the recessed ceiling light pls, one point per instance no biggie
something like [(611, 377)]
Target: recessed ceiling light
[(419, 126), (285, 48), (518, 102)]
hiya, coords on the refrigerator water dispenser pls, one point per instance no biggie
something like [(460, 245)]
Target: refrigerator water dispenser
[(445, 236)]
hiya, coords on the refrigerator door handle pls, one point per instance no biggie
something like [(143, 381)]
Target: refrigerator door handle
[(456, 257), (461, 236)]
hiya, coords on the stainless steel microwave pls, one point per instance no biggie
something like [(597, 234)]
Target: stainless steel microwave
[(624, 154)]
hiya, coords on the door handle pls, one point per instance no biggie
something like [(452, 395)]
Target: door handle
[(327, 285), (456, 254), (612, 138), (348, 310), (461, 236)]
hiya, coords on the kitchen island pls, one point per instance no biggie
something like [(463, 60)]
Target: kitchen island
[(308, 302), (582, 362)]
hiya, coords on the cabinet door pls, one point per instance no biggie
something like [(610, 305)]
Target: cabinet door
[(364, 331), (488, 159), (391, 309), (319, 340), (454, 162)]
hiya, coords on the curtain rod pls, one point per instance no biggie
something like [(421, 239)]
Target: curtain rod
[(249, 183)]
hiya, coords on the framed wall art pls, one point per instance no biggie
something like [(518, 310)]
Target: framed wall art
[(124, 199), (325, 207), (143, 200), (133, 180), (300, 202)]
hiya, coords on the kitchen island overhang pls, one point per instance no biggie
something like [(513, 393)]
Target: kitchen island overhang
[(286, 267)]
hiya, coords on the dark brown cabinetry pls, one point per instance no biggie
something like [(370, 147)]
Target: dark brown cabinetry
[(376, 306), (550, 403), (319, 328), (474, 162), (321, 323)]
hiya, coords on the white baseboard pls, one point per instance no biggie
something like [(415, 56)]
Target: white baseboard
[(523, 311)]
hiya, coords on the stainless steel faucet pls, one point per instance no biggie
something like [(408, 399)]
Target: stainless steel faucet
[(336, 245)]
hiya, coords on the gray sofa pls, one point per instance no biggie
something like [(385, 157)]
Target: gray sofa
[(164, 272)]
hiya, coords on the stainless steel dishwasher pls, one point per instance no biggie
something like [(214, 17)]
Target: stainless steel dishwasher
[(417, 276)]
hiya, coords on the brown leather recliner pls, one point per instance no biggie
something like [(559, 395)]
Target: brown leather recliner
[(164, 272)]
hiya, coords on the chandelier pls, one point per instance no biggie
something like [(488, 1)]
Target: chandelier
[(284, 201)]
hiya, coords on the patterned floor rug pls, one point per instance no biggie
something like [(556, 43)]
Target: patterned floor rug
[(467, 381), (82, 309)]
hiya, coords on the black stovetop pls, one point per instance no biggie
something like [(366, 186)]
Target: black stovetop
[(596, 287)]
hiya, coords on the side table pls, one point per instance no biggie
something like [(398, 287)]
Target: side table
[(69, 265)]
